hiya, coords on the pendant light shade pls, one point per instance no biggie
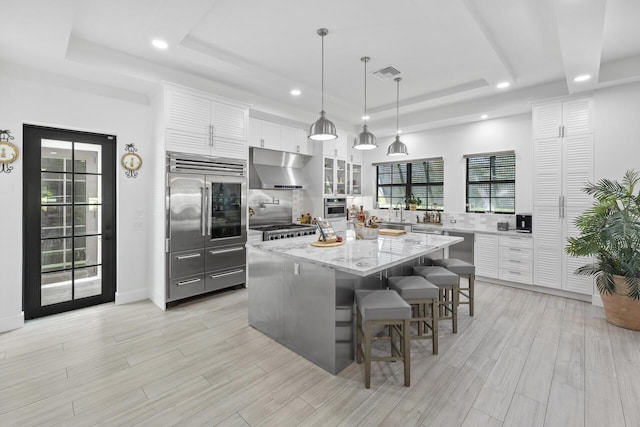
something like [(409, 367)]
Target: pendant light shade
[(322, 129), (365, 140), (397, 147)]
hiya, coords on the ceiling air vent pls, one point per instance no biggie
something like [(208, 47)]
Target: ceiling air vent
[(386, 73)]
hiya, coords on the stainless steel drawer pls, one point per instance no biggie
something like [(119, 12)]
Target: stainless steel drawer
[(224, 279), (186, 263), (186, 287), (225, 257)]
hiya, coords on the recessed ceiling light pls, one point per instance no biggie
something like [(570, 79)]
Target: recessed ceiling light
[(295, 92), (484, 116), (582, 78), (503, 85), (399, 130), (159, 44), (365, 117)]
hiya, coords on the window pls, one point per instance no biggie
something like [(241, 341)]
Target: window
[(491, 183), (423, 178)]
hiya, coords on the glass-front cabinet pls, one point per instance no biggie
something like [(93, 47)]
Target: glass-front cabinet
[(341, 177), (356, 179), (335, 177), (329, 175)]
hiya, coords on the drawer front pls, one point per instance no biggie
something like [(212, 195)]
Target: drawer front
[(186, 287), (516, 265), (516, 253), (516, 242), (225, 257), (224, 279), (513, 275), (186, 263)]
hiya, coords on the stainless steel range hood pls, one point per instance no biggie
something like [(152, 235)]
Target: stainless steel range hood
[(277, 170)]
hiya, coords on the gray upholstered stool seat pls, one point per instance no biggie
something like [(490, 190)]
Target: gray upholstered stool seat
[(386, 308), (449, 284), (424, 298), (462, 269)]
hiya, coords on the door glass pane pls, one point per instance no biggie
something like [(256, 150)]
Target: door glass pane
[(55, 188), (88, 219), (55, 287), (56, 155), (87, 251), (87, 282), (88, 158), (55, 221), (55, 254), (87, 188), (226, 216)]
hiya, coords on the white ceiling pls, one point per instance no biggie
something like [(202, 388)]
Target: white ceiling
[(451, 53)]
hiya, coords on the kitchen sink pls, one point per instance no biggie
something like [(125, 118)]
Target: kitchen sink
[(395, 225)]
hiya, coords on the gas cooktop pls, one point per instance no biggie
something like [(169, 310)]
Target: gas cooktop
[(278, 227)]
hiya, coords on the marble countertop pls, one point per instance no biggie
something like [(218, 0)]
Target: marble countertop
[(359, 257), (453, 227)]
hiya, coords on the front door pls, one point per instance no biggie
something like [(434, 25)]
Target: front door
[(69, 220)]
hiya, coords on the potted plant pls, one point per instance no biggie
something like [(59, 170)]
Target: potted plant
[(412, 202), (610, 232)]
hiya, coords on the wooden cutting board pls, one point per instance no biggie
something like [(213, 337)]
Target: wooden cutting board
[(320, 244), (390, 232)]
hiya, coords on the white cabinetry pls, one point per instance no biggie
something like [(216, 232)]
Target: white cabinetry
[(515, 259), (275, 136), (264, 134), (563, 164), (198, 124), (485, 256)]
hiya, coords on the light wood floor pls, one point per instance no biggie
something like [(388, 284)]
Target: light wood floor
[(526, 359)]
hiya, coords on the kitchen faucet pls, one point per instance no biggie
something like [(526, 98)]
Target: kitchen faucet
[(400, 202)]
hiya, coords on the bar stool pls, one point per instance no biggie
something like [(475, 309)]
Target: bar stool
[(462, 269), (383, 308), (448, 284), (420, 294)]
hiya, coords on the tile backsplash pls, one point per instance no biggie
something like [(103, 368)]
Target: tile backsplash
[(475, 221)]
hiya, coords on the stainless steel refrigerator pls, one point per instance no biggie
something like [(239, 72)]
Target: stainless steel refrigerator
[(205, 224)]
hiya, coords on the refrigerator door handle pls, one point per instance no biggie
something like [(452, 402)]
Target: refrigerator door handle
[(225, 251), (202, 211), (208, 200), (187, 282), (228, 273)]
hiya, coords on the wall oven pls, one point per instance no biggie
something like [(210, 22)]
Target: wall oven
[(335, 208), (205, 225)]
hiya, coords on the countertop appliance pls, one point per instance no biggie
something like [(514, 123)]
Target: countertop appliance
[(523, 223), (284, 231), (503, 226), (335, 208), (205, 224)]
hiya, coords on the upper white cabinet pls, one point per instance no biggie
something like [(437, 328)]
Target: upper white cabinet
[(563, 164), (336, 147), (264, 134), (199, 124), (275, 136), (560, 119)]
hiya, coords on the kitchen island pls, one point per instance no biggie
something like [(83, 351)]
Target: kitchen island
[(302, 296)]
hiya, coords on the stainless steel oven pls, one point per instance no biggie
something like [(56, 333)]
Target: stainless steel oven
[(335, 208)]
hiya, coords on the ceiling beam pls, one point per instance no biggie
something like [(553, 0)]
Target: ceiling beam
[(580, 31)]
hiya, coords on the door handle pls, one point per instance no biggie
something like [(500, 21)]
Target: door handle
[(228, 273), (224, 251), (202, 211), (209, 197), (188, 282), (181, 257)]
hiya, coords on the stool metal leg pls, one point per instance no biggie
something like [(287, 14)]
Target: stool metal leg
[(434, 332), (367, 354), (456, 299), (358, 337), (472, 280), (406, 336)]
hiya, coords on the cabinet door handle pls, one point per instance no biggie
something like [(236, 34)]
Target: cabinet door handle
[(297, 148), (181, 257), (203, 210), (228, 273), (188, 282), (224, 251), (335, 152), (514, 272)]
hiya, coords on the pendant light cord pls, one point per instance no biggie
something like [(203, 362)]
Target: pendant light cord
[(398, 106), (322, 72), (365, 90)]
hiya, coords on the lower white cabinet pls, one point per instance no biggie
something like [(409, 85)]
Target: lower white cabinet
[(508, 258), (485, 256), (516, 259)]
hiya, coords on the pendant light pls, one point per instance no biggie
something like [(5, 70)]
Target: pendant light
[(366, 140), (322, 129), (397, 147)]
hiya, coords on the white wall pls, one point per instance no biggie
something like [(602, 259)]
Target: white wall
[(617, 131), (451, 143), (32, 102)]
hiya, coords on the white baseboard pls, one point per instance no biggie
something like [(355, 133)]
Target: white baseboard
[(12, 322), (541, 289), (597, 300), (133, 296)]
